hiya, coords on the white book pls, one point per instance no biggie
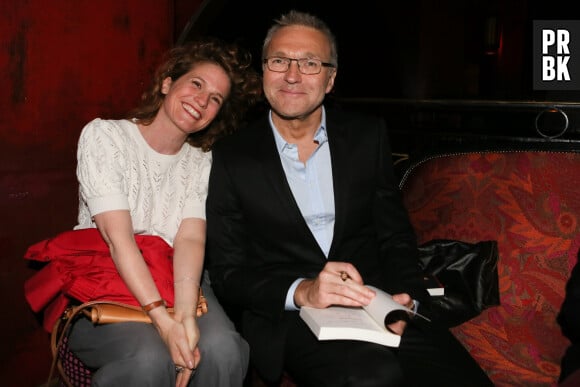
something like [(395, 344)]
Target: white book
[(433, 285), (436, 291), (357, 323)]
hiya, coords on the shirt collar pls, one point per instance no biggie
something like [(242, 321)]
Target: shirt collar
[(320, 136)]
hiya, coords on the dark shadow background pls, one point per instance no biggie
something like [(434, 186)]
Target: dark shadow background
[(445, 74), (417, 49)]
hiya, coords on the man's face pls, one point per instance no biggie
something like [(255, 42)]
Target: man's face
[(292, 94)]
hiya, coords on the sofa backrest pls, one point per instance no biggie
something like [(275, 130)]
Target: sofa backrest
[(529, 202)]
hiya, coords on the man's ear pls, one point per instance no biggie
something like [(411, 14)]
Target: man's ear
[(330, 83), (166, 85)]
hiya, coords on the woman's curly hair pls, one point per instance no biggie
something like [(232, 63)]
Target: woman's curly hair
[(245, 90)]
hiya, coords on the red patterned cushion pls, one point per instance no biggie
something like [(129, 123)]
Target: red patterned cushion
[(530, 203)]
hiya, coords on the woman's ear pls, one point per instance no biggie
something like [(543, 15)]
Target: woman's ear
[(166, 85)]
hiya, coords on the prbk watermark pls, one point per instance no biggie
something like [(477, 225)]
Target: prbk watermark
[(556, 55)]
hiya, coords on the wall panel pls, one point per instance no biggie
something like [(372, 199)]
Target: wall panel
[(62, 63)]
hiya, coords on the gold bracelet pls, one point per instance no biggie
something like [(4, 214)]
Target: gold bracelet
[(149, 307)]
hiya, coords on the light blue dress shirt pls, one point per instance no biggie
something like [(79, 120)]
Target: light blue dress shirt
[(312, 187)]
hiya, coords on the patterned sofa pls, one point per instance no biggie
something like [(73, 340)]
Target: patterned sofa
[(529, 201)]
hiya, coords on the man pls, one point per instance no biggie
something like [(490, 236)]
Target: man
[(303, 210), (569, 321)]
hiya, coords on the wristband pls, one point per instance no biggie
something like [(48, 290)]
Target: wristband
[(149, 307)]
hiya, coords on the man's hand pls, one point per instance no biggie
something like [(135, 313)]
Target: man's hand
[(398, 327), (339, 283)]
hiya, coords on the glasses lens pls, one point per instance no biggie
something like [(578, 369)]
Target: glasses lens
[(278, 64), (309, 66), (305, 65)]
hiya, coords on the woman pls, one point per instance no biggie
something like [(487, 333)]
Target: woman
[(148, 175)]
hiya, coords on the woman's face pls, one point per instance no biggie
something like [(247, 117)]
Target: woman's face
[(193, 100)]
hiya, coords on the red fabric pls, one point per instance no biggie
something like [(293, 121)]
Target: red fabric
[(79, 266), (530, 203)]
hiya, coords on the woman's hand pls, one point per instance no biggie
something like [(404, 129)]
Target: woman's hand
[(192, 333), (181, 338), (184, 373), (188, 257)]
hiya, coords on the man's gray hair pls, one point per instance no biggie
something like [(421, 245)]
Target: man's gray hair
[(296, 18)]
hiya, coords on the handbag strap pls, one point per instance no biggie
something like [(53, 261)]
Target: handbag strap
[(58, 333)]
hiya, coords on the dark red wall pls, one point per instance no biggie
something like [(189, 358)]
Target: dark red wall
[(62, 63)]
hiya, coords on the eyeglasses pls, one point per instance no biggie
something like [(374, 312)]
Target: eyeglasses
[(307, 66)]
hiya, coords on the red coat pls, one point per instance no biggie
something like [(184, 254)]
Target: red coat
[(80, 267)]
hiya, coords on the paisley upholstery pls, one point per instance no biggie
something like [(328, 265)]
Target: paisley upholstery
[(529, 202)]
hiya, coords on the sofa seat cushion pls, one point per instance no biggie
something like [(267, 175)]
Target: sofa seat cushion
[(529, 203), (516, 346)]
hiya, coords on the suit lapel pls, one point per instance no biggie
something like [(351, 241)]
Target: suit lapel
[(273, 171), (339, 155), (274, 174)]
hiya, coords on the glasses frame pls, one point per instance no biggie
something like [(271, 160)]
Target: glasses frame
[(266, 61)]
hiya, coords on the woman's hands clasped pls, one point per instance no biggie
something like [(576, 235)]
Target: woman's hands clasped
[(181, 338), (192, 334)]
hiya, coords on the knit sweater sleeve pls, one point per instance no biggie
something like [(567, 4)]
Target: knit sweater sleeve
[(101, 162), (198, 180)]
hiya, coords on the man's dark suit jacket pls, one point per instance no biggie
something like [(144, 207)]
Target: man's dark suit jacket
[(569, 320), (259, 243)]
